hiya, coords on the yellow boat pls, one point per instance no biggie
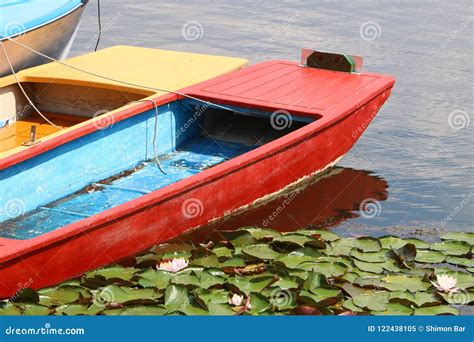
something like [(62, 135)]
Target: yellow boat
[(68, 97)]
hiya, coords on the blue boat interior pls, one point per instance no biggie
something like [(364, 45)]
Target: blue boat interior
[(118, 164)]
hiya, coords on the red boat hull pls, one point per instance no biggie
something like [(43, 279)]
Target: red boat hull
[(159, 216), (341, 105)]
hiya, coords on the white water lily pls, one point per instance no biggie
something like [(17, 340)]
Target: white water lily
[(236, 300), (446, 283), (174, 265)]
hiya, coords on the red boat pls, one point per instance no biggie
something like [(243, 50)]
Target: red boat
[(178, 161)]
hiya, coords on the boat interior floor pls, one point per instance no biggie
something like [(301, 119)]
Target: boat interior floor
[(194, 156), (17, 133)]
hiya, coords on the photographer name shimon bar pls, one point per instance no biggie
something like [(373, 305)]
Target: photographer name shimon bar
[(454, 328)]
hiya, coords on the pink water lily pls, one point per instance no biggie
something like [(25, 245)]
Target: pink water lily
[(174, 265), (236, 300), (446, 283)]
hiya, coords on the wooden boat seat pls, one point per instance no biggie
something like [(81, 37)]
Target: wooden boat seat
[(17, 133)]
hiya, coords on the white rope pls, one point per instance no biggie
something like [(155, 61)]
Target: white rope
[(154, 133), (23, 90), (208, 103)]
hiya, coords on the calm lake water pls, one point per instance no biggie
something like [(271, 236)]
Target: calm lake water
[(411, 173)]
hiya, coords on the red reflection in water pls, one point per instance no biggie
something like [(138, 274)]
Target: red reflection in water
[(319, 203)]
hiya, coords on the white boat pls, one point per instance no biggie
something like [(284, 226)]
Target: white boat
[(48, 26)]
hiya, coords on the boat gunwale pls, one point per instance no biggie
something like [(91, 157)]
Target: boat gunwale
[(12, 249), (81, 5)]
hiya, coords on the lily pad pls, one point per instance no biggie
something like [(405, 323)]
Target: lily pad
[(142, 310), (326, 268), (176, 297), (369, 256), (365, 244), (419, 244), (155, 278), (394, 309), (258, 303), (407, 282), (374, 267), (219, 309), (375, 301), (459, 236), (324, 234), (318, 295), (456, 248), (292, 260), (261, 251), (64, 294), (261, 233), (314, 281), (436, 310), (431, 257), (465, 262), (391, 242), (117, 294)]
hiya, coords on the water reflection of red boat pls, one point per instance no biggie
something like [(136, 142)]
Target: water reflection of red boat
[(322, 202)]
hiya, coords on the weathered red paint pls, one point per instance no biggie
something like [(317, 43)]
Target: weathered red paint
[(344, 104)]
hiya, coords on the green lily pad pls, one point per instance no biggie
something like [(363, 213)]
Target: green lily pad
[(207, 280), (112, 272), (419, 244), (369, 256), (35, 310), (176, 297), (143, 310), (459, 236), (219, 309), (217, 296), (72, 310), (64, 294), (375, 301), (418, 298), (186, 279), (374, 267), (407, 283), (118, 294), (365, 244), (288, 241), (391, 242), (261, 233), (324, 234), (155, 278), (326, 268), (206, 261), (233, 262), (286, 283), (394, 309), (258, 303), (318, 295), (431, 257), (460, 261), (456, 248), (292, 260), (222, 251), (314, 281), (10, 310), (261, 251), (239, 238), (436, 310), (349, 305)]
